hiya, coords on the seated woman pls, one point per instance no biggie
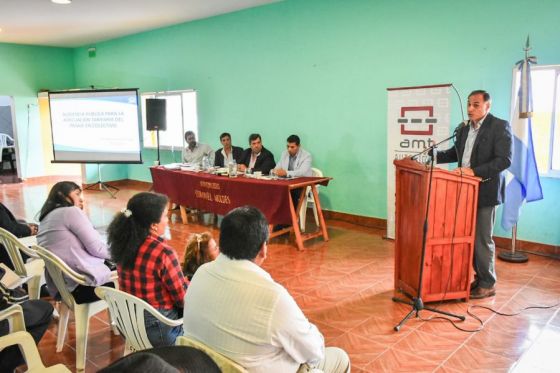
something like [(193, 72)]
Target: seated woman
[(201, 248), (65, 230), (148, 268)]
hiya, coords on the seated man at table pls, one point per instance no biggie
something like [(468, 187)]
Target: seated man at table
[(257, 157), (228, 153), (295, 161), (238, 310), (194, 152)]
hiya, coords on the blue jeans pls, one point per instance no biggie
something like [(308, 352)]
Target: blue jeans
[(160, 334)]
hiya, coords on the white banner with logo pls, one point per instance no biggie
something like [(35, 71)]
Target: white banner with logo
[(417, 118)]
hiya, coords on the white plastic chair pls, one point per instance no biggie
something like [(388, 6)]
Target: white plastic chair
[(309, 200), (19, 336), (4, 137), (34, 269), (225, 364), (127, 311), (82, 312)]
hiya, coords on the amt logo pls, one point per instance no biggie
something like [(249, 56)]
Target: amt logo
[(427, 119)]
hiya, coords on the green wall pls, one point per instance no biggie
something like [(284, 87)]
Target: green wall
[(24, 70), (320, 68)]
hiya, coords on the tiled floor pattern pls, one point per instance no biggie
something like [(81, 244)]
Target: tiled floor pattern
[(345, 287)]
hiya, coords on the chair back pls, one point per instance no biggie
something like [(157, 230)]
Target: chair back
[(225, 364), (127, 311), (4, 140), (14, 247), (316, 172), (58, 270), (20, 337)]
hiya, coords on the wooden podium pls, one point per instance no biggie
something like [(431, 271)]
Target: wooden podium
[(450, 236)]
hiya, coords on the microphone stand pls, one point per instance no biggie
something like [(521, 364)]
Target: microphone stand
[(433, 147), (416, 302)]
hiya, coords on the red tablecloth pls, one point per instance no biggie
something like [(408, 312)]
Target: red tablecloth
[(220, 194)]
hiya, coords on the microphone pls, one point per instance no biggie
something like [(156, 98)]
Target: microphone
[(464, 123), (432, 150)]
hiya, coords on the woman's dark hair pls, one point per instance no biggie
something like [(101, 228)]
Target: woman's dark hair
[(164, 359), (58, 197), (130, 227)]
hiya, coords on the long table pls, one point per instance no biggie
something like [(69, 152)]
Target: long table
[(220, 194)]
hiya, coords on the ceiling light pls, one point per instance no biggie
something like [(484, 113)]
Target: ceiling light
[(62, 2)]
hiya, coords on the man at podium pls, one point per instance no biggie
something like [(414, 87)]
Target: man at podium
[(483, 148)]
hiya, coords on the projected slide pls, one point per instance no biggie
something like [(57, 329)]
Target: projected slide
[(95, 126)]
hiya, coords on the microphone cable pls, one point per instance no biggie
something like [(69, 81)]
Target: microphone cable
[(460, 101)]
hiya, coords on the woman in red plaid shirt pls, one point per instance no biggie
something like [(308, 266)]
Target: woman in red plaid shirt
[(149, 268)]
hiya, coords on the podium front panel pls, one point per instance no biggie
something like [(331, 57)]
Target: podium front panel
[(451, 226)]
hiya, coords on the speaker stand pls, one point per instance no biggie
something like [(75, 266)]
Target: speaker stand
[(157, 145), (103, 186)]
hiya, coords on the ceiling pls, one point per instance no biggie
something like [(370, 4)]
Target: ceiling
[(83, 22)]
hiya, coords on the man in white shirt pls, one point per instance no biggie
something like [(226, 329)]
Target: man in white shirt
[(194, 152), (237, 309), (228, 153), (295, 161)]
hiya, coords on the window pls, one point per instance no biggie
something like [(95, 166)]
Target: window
[(545, 85), (181, 116)]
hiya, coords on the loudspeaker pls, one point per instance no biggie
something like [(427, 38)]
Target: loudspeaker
[(155, 114)]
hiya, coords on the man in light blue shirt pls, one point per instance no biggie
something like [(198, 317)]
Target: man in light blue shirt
[(295, 161)]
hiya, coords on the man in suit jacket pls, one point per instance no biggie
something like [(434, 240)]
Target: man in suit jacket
[(483, 148), (228, 153), (295, 161), (257, 157)]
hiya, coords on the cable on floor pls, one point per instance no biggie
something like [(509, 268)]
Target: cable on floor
[(474, 316)]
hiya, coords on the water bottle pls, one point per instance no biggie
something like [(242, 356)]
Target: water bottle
[(204, 163), (232, 169)]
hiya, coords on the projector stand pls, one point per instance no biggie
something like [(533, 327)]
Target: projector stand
[(103, 186)]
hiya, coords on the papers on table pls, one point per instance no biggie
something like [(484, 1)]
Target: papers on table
[(182, 166), (268, 177), (172, 166)]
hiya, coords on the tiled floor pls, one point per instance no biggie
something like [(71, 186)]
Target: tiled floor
[(345, 287)]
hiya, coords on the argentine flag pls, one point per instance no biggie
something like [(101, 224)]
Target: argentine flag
[(522, 177)]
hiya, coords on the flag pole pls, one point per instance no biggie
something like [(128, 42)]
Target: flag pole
[(512, 256), (525, 112)]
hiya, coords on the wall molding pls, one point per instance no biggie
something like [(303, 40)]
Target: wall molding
[(502, 243), (541, 248), (364, 221)]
